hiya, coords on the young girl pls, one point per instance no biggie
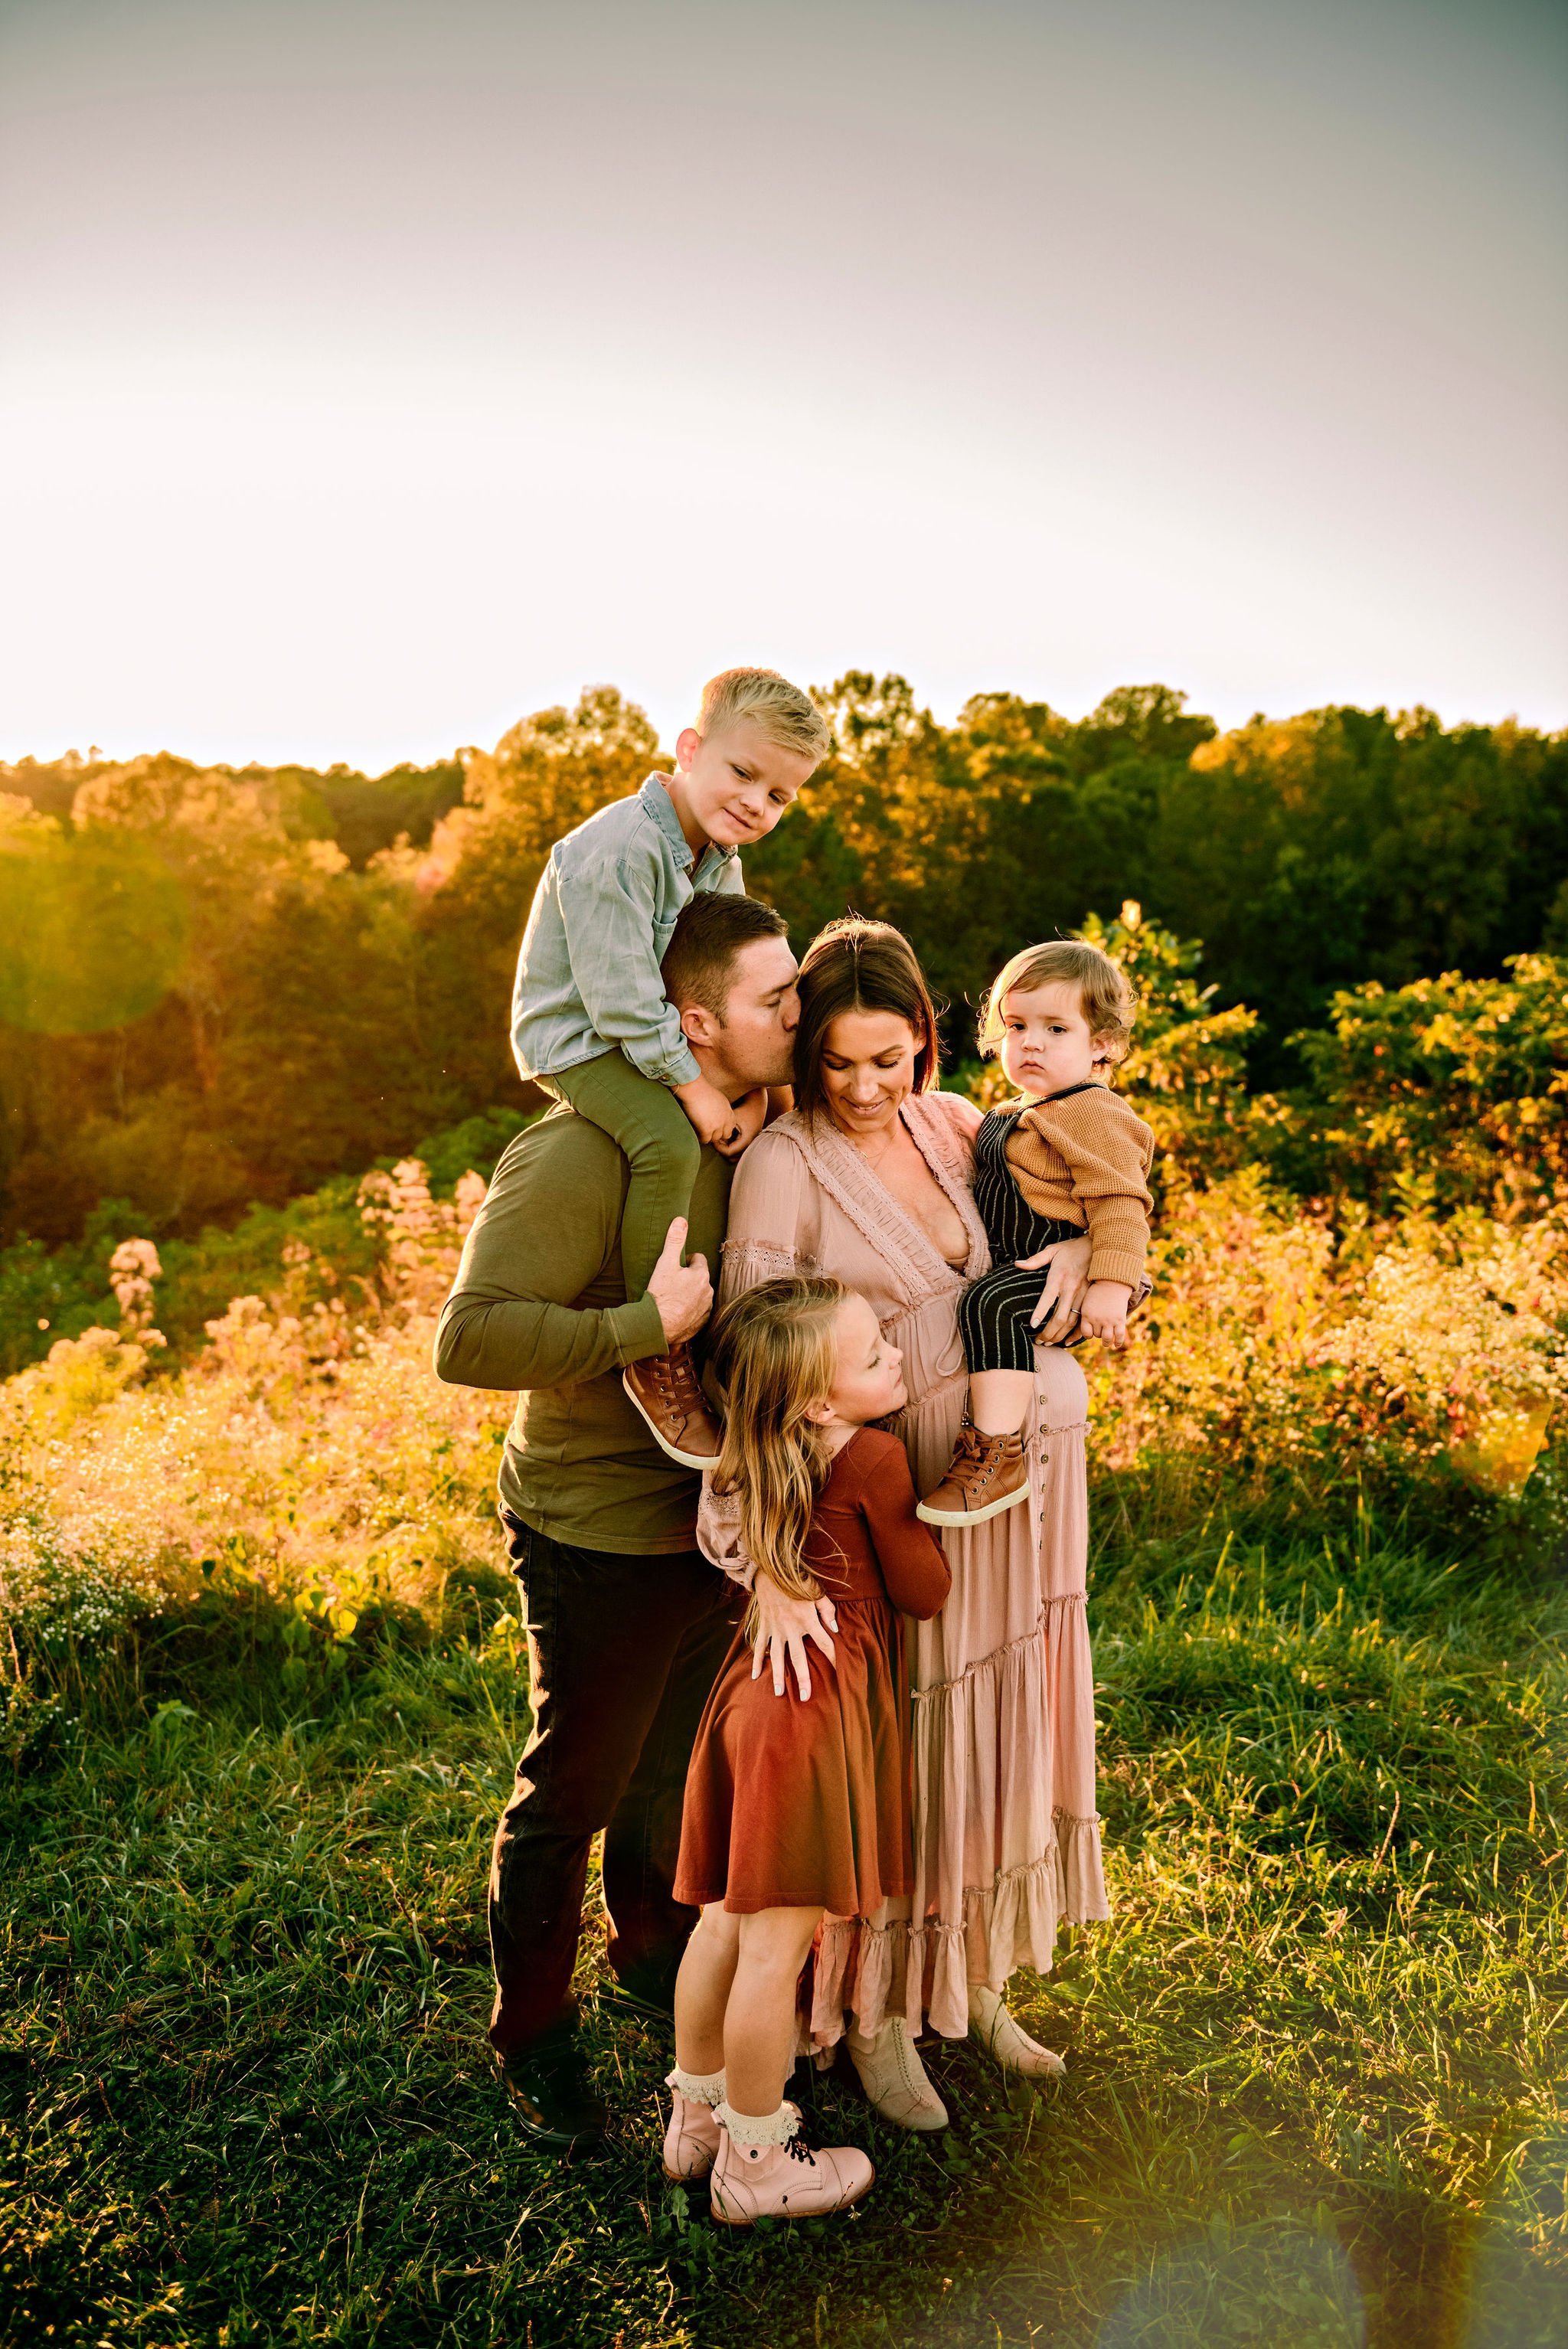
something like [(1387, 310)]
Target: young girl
[(1068, 1153), (797, 1808)]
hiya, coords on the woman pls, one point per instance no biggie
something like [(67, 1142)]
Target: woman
[(867, 1180)]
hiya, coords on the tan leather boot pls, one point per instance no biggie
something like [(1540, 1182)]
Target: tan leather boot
[(667, 1391), (895, 2078), (788, 2180), (1006, 2041), (988, 1473), (691, 2140)]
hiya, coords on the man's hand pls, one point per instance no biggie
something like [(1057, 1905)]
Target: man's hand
[(750, 1115), (783, 1626), (707, 1109), (1103, 1313), (683, 1292), (1065, 1288)]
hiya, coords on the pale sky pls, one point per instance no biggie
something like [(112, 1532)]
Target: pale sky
[(372, 373)]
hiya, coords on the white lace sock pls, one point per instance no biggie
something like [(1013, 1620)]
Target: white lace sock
[(697, 2087), (760, 2128), (1005, 2042), (895, 2078)]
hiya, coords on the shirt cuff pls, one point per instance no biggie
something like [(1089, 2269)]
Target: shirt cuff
[(677, 1068), (639, 1330), (1111, 1264)]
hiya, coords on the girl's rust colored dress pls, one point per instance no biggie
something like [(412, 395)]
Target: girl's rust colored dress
[(796, 1804)]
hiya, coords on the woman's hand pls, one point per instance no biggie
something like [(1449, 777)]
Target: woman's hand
[(783, 1626), (1065, 1289)]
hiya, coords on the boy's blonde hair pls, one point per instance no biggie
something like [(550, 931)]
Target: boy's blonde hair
[(775, 1352), (789, 719), (1107, 998)]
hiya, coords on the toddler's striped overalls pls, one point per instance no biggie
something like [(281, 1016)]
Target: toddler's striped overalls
[(994, 1312)]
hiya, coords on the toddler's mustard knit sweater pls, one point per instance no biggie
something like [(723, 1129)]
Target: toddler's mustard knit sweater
[(1085, 1159)]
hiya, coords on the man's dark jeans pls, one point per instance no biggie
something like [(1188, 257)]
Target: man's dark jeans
[(622, 1653)]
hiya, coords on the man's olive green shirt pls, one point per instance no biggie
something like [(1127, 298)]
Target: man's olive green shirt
[(540, 1305)]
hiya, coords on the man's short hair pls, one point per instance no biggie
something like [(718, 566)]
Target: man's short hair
[(788, 718), (699, 960)]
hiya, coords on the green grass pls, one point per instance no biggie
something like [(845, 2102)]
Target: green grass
[(1317, 2086)]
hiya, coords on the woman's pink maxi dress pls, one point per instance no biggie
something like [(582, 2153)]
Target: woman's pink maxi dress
[(1007, 1838)]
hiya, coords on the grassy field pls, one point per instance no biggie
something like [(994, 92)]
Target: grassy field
[(1316, 2084)]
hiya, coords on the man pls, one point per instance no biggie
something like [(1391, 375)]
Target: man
[(628, 1623)]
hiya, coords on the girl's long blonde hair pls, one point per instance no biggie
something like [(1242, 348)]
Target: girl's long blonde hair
[(775, 1353)]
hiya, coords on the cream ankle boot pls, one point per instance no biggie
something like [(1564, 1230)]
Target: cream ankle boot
[(1009, 2047), (765, 2169), (691, 2140), (894, 2079)]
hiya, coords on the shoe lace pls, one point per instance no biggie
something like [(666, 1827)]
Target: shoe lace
[(798, 2150)]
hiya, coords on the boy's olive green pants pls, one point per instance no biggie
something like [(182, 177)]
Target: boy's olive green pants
[(644, 1119)]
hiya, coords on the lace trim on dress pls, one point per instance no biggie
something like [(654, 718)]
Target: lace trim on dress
[(951, 1158), (750, 1262), (889, 1229)]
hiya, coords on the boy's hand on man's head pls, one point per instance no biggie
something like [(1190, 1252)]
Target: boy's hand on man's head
[(750, 1114), (708, 1108), (683, 1292), (1103, 1314)]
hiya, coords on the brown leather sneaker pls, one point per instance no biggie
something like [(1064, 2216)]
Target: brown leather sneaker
[(989, 1473), (667, 1391)]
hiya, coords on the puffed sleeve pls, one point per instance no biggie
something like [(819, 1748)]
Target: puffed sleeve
[(773, 1216), (917, 1575), (965, 1115), (718, 1533)]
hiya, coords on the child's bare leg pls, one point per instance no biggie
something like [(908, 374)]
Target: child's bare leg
[(758, 2051), (998, 1400), (702, 1990)]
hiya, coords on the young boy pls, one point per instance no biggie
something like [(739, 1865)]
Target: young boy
[(1066, 1156), (589, 1017)]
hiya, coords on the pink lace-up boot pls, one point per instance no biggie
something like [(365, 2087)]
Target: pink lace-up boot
[(765, 2169), (691, 2140)]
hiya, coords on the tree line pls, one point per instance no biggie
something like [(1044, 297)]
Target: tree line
[(219, 986)]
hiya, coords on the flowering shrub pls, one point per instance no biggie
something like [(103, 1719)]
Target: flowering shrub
[(1449, 1092), (311, 1449), (308, 1448), (419, 1236), (1268, 1340), (1464, 1331), (133, 1270)]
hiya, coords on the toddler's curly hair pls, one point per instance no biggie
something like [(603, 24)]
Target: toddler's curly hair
[(1107, 998)]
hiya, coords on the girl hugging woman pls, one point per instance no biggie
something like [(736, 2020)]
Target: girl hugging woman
[(796, 1809)]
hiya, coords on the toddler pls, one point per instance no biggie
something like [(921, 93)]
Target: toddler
[(1068, 1154), (590, 1021), (795, 1808)]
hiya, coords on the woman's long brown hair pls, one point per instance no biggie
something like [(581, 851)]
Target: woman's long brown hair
[(774, 1352)]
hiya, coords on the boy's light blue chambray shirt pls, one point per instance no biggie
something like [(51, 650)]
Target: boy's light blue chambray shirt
[(588, 971)]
